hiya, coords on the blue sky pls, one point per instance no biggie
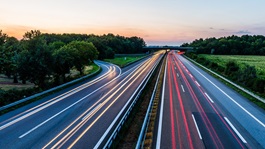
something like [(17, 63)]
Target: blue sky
[(159, 22)]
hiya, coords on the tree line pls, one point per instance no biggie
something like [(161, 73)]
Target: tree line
[(43, 58), (231, 45)]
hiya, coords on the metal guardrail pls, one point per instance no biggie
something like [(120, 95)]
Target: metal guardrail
[(47, 91), (107, 139), (147, 115), (234, 84)]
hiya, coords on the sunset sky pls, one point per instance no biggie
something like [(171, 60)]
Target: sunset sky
[(159, 22)]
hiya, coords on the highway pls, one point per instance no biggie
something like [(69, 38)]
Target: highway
[(198, 111), (81, 116)]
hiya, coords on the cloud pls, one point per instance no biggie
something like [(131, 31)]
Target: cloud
[(221, 29), (243, 32)]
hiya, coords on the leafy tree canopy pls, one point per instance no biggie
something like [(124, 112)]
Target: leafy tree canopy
[(231, 45)]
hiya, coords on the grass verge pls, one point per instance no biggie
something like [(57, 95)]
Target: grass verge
[(246, 95), (124, 60)]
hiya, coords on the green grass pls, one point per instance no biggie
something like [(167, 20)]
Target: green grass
[(242, 60), (87, 70), (123, 61), (254, 100), (90, 69)]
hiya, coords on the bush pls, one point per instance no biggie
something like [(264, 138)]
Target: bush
[(259, 85), (232, 69), (200, 60), (7, 97)]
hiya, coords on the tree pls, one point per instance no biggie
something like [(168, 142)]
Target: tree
[(36, 59), (11, 48), (63, 62), (3, 37), (31, 34), (84, 53), (244, 45)]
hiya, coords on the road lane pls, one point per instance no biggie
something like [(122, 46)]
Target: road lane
[(177, 130), (198, 120), (245, 115), (74, 118)]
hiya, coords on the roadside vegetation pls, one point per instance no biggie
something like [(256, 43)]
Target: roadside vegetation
[(225, 56), (124, 60), (41, 61), (243, 61)]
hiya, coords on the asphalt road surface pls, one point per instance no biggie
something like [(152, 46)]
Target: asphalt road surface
[(198, 111), (76, 117)]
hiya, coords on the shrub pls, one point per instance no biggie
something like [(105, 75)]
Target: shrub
[(7, 97), (259, 85)]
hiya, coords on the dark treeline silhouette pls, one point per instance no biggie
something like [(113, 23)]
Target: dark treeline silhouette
[(231, 45), (107, 44), (45, 59)]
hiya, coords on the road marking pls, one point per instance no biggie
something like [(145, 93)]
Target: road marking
[(159, 131), (92, 112), (55, 100), (191, 76), (175, 68), (235, 130), (196, 126), (178, 74), (36, 127), (256, 119), (197, 83), (182, 88), (209, 97), (79, 125), (121, 111)]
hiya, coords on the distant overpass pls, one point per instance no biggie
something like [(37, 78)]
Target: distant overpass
[(168, 47)]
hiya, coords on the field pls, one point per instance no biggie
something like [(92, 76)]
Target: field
[(257, 61), (7, 84), (124, 60)]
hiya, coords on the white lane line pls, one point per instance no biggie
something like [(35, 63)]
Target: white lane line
[(159, 131), (79, 125), (175, 68), (197, 83), (235, 130), (191, 76), (55, 100), (120, 113), (178, 74), (36, 127), (209, 97), (91, 112), (196, 126), (182, 88), (256, 119)]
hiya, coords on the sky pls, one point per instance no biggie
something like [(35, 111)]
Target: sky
[(158, 22)]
